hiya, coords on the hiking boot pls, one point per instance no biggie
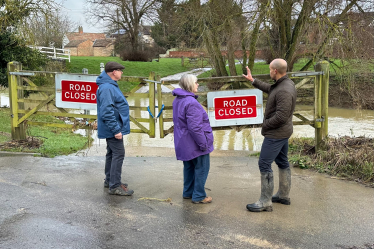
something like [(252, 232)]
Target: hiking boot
[(206, 200), (121, 190), (282, 196), (267, 187), (106, 184)]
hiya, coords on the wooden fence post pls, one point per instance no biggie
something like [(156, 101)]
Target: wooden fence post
[(152, 105), (321, 100), (159, 104), (325, 68), (18, 131)]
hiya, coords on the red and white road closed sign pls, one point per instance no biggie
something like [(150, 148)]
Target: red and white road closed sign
[(235, 107), (76, 91), (239, 107)]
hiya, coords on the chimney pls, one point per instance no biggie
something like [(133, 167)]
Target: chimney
[(80, 30)]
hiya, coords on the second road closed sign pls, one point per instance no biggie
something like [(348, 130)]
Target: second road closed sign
[(239, 107), (235, 107)]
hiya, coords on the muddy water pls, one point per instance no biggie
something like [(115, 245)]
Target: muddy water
[(342, 122)]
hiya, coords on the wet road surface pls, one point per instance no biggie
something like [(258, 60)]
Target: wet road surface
[(61, 203)]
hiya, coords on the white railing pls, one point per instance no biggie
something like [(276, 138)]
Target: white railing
[(55, 53)]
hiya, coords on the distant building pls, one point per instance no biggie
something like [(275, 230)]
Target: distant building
[(88, 44)]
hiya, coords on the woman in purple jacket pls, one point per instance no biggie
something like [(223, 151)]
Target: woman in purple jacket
[(193, 139)]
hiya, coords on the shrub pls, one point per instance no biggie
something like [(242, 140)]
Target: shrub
[(14, 49)]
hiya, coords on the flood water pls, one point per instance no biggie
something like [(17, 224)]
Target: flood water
[(342, 122)]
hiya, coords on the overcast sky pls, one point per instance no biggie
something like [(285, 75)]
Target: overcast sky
[(74, 9)]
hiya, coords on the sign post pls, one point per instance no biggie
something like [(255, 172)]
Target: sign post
[(239, 107), (76, 91)]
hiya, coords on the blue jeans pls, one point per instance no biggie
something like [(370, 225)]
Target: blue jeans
[(113, 162), (273, 150), (195, 173)]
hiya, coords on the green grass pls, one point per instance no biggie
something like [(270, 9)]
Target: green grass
[(5, 120), (56, 141), (166, 66)]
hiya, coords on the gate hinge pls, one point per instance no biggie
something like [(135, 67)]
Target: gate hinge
[(321, 119)]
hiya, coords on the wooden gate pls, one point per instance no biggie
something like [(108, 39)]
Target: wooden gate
[(317, 80), (21, 82)]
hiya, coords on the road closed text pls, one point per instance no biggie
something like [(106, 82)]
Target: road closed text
[(78, 91), (235, 107)]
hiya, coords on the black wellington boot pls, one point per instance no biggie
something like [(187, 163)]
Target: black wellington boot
[(282, 196), (267, 187)]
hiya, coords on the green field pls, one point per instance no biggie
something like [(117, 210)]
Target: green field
[(165, 67)]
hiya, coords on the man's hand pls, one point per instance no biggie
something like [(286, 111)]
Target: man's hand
[(118, 136), (249, 75)]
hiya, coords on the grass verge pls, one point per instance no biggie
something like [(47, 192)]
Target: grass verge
[(48, 141), (344, 157)]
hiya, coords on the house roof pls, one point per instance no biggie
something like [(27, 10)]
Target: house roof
[(75, 43), (102, 42), (72, 36)]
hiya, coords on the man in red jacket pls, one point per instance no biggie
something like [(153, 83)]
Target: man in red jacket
[(276, 128)]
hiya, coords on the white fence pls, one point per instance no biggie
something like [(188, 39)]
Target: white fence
[(55, 53)]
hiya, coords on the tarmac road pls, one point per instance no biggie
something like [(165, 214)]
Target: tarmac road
[(61, 203)]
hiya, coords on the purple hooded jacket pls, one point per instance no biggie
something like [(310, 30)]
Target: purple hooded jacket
[(193, 135)]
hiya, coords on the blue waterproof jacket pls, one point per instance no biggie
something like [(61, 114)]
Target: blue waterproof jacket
[(113, 113), (193, 135)]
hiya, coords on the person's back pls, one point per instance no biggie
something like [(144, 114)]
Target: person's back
[(113, 123), (281, 103)]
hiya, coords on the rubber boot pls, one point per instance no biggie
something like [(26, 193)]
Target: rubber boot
[(282, 196), (267, 187)]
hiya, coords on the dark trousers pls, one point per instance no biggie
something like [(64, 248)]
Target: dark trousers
[(113, 162), (273, 150), (195, 173)]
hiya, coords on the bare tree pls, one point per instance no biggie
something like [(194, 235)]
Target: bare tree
[(222, 21), (46, 29), (123, 14), (14, 12), (291, 24)]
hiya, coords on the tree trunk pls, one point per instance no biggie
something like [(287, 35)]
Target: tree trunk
[(230, 50), (212, 45), (244, 49)]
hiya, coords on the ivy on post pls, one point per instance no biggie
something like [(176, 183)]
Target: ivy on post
[(18, 131)]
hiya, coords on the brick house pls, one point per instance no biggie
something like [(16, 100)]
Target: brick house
[(88, 44), (80, 47), (103, 47)]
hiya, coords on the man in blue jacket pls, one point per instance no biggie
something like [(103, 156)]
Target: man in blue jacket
[(113, 121)]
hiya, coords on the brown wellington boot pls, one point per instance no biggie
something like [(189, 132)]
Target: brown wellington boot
[(267, 187), (282, 196)]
